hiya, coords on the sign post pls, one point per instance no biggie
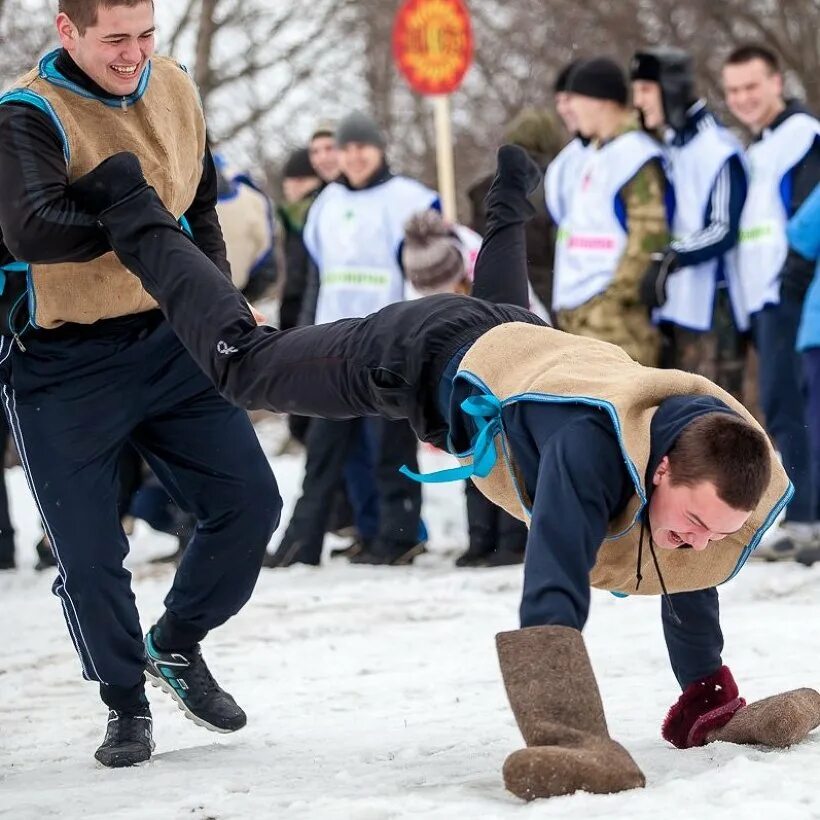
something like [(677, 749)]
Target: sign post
[(433, 48)]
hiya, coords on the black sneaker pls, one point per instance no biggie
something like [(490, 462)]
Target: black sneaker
[(187, 679), (128, 739)]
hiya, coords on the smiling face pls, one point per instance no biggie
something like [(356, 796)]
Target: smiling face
[(754, 93), (324, 157), (681, 515), (563, 105), (647, 98), (116, 49), (358, 162)]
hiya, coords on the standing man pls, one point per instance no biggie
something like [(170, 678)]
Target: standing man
[(784, 167), (616, 218), (89, 364), (690, 284), (564, 170), (300, 187), (323, 153), (354, 233)]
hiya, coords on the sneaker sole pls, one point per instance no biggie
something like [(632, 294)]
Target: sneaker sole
[(160, 683)]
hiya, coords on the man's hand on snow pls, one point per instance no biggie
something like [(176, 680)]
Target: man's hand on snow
[(710, 709), (704, 706)]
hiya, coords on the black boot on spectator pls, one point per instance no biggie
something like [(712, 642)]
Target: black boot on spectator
[(293, 551), (45, 555), (358, 545), (392, 553), (476, 554)]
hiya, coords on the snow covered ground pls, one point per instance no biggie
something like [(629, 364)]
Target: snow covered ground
[(373, 694)]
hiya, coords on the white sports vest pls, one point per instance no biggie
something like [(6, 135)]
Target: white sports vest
[(694, 171), (590, 238), (763, 247), (354, 238), (561, 177)]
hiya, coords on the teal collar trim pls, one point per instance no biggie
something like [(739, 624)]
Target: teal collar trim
[(48, 71)]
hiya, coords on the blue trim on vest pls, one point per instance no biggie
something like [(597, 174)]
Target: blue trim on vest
[(49, 72), (186, 226), (770, 519), (29, 97)]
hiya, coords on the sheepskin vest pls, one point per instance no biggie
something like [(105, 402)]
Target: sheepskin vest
[(523, 362), (164, 126)]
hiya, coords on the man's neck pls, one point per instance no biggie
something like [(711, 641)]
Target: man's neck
[(611, 125), (772, 115)]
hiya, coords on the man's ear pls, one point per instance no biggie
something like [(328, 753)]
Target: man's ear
[(66, 31), (661, 470)]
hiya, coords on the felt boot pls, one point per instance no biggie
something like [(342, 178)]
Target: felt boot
[(778, 721), (554, 697)]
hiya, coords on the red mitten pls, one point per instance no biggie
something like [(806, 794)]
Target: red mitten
[(705, 705)]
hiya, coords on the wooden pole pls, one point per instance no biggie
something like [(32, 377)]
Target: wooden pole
[(444, 156)]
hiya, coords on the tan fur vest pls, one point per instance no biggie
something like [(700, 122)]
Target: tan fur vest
[(519, 361), (165, 128)]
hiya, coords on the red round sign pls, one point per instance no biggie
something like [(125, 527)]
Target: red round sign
[(433, 44)]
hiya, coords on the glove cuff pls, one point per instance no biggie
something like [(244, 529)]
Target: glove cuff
[(705, 705)]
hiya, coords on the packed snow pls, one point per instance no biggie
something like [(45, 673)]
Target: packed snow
[(373, 693)]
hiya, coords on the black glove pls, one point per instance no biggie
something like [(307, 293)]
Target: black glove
[(113, 181), (653, 285)]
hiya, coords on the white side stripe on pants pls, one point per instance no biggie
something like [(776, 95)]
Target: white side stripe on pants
[(61, 589)]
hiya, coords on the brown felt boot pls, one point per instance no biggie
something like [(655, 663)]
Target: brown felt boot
[(554, 697), (779, 721)]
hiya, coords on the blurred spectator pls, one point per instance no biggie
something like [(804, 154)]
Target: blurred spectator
[(246, 217), (617, 218), (354, 232), (560, 181), (6, 529), (538, 133), (324, 155), (438, 258), (784, 165), (804, 239), (300, 186), (691, 285)]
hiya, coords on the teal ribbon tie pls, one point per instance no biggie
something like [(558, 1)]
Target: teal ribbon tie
[(486, 412)]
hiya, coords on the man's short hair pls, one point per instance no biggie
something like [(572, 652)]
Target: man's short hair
[(754, 51), (83, 13), (727, 451)]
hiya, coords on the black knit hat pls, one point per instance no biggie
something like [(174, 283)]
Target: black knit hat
[(600, 78), (298, 165), (562, 78), (358, 127)]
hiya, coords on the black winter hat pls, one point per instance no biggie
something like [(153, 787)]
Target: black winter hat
[(298, 165), (562, 78), (673, 70), (600, 78), (358, 127)]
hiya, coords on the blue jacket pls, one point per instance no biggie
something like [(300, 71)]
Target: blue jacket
[(804, 238)]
